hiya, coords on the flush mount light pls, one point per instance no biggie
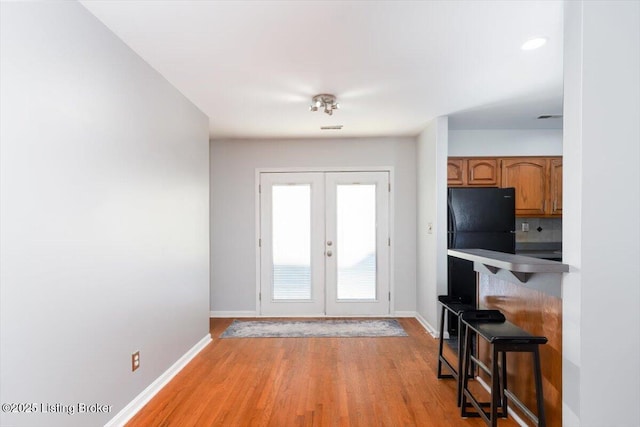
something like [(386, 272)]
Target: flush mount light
[(534, 43), (325, 102)]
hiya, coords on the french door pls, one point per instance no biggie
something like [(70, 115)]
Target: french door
[(324, 243)]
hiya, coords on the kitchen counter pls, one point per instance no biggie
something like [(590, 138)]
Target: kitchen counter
[(539, 274), (544, 250)]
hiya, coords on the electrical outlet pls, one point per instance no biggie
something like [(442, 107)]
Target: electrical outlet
[(135, 361), (525, 226)]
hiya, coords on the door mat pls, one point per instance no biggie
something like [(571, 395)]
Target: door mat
[(314, 328)]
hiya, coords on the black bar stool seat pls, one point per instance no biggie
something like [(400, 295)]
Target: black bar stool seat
[(503, 337), (455, 306)]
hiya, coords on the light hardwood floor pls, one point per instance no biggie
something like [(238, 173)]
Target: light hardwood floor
[(310, 382)]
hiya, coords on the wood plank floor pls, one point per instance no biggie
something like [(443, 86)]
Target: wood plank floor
[(310, 382)]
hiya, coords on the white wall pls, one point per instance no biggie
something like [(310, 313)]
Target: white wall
[(104, 216), (505, 142), (233, 208), (601, 296), (432, 209)]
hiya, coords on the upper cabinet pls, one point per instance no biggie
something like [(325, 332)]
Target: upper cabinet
[(537, 180), (484, 172), (555, 183), (456, 169), (529, 176), (477, 171)]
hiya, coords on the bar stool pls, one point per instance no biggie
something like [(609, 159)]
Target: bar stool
[(455, 306), (503, 337)]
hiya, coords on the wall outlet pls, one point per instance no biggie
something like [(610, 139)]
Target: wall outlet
[(135, 361), (525, 226)]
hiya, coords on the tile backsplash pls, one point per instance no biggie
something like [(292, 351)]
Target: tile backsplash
[(540, 230)]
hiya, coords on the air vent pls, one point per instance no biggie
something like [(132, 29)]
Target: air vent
[(334, 127), (550, 116)]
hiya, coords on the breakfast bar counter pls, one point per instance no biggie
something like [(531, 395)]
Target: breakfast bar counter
[(534, 273), (528, 292)]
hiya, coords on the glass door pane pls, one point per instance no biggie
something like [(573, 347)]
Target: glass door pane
[(291, 250), (356, 234), (291, 239), (357, 243)]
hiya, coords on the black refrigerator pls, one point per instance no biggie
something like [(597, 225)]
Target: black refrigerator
[(478, 218)]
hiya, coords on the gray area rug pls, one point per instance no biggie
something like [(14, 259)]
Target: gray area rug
[(313, 328)]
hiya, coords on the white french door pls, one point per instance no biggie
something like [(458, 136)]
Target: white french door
[(324, 243)]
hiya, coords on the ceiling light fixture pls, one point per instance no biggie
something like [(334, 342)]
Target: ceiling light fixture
[(534, 43), (326, 102)]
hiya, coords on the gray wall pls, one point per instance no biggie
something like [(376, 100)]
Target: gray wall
[(233, 208), (431, 160), (505, 142), (601, 207), (104, 216)]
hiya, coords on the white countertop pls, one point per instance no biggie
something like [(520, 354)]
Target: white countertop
[(539, 274), (511, 262)]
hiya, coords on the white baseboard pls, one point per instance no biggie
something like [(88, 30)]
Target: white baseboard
[(510, 411), (404, 314), (147, 394), (432, 331), (227, 314)]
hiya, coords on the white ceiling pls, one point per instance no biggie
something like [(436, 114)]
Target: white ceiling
[(253, 66)]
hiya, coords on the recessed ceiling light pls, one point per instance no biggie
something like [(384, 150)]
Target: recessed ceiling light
[(334, 127), (534, 43)]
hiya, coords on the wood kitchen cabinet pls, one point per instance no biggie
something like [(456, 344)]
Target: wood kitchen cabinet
[(555, 185), (484, 172), (471, 172), (537, 180), (538, 184), (456, 172)]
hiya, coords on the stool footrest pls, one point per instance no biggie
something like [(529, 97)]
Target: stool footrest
[(478, 406), (513, 399)]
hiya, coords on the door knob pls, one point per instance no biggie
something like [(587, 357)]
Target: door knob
[(329, 243), (329, 253)]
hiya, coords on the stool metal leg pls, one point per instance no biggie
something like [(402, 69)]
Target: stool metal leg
[(441, 343), (460, 356), (441, 347), (504, 384), (538, 378), (464, 373), (496, 392)]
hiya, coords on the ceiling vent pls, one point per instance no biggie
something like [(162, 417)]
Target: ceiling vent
[(550, 116), (334, 127)]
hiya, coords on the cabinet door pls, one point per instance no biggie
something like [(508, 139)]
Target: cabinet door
[(456, 172), (529, 177), (483, 172), (555, 177)]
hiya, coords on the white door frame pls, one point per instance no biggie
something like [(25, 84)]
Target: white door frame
[(388, 169)]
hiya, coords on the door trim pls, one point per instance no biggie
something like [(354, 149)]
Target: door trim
[(389, 169)]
